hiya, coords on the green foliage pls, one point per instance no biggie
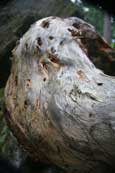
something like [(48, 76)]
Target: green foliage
[(95, 17), (92, 15), (1, 92), (79, 12), (113, 32), (4, 136), (4, 130)]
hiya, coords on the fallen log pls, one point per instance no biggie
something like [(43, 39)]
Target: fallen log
[(59, 105)]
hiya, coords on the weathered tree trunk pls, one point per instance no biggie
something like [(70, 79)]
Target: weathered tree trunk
[(59, 105), (16, 16), (107, 27)]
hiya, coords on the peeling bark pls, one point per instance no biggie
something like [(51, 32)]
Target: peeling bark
[(59, 105)]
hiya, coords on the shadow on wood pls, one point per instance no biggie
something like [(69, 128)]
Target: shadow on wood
[(59, 105)]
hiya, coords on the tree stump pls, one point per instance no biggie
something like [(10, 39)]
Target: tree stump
[(59, 105)]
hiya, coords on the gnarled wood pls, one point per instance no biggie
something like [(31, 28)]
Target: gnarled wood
[(59, 105), (16, 16)]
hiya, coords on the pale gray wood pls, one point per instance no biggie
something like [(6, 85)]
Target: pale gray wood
[(59, 105)]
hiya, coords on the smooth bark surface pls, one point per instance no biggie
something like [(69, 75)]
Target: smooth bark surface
[(107, 27), (59, 105)]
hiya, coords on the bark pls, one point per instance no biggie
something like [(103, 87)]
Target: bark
[(59, 105), (107, 27)]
